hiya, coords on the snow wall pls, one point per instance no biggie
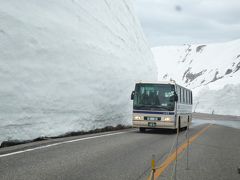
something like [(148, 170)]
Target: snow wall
[(68, 65)]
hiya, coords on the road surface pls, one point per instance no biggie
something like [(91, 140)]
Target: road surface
[(125, 154)]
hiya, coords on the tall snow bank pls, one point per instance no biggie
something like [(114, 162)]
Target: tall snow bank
[(68, 65), (224, 101), (208, 69)]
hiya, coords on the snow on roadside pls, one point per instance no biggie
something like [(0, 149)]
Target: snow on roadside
[(227, 123)]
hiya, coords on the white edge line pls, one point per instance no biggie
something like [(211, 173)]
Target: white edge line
[(59, 143)]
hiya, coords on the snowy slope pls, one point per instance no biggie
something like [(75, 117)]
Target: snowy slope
[(68, 65), (207, 70)]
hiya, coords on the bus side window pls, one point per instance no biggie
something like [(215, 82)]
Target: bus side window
[(187, 96), (191, 98), (184, 101), (178, 93), (182, 95)]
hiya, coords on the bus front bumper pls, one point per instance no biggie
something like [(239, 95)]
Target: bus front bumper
[(153, 124)]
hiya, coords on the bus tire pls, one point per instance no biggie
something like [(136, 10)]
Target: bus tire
[(142, 129), (185, 127), (179, 123)]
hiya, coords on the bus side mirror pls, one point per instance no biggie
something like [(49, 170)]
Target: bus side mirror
[(132, 95), (175, 97)]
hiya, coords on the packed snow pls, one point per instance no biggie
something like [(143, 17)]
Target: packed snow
[(212, 71), (227, 123), (68, 66)]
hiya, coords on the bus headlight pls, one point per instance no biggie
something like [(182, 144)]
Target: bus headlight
[(137, 117), (167, 119)]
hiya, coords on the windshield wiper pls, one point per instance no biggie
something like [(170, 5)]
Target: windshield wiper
[(152, 106), (163, 107), (139, 106)]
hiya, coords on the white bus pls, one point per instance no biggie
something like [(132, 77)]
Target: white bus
[(161, 105)]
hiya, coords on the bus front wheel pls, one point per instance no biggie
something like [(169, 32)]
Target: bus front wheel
[(142, 129)]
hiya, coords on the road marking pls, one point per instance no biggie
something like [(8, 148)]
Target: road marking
[(64, 142), (180, 149)]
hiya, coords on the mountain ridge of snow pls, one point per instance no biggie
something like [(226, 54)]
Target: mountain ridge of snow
[(208, 67)]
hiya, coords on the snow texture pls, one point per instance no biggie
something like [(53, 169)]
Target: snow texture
[(68, 65), (227, 123), (212, 71)]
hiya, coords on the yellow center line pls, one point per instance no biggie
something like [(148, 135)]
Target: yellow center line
[(172, 157)]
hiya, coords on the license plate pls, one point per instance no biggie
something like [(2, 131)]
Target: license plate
[(152, 124), (152, 118)]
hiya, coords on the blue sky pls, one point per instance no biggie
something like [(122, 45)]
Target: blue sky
[(176, 22)]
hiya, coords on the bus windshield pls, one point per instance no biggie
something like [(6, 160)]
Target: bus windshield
[(158, 97)]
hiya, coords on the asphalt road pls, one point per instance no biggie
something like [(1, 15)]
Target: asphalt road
[(124, 154)]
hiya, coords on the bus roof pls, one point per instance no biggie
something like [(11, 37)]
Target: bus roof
[(161, 82), (156, 82)]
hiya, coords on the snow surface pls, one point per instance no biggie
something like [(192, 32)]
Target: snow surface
[(212, 71), (68, 65), (227, 123)]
